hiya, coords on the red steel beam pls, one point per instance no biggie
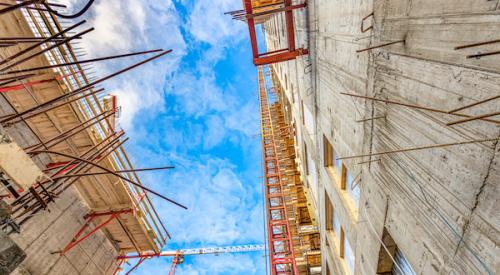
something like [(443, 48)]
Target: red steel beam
[(89, 218), (281, 252)]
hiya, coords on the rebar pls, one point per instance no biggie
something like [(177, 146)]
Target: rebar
[(417, 107), (420, 148), (81, 89), (381, 45), (119, 171), (111, 172), (46, 49), (48, 39), (474, 104), (81, 62)]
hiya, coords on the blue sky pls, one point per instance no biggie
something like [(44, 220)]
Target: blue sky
[(197, 109)]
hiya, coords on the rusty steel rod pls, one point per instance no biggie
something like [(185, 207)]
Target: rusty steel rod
[(14, 7), (55, 45), (48, 39), (69, 133), (416, 106), (477, 44), (48, 3), (79, 90), (24, 199), (111, 172), (119, 171), (81, 62), (63, 103), (421, 148), (16, 77), (26, 38), (36, 203), (371, 118), (98, 155), (369, 161), (473, 118), (474, 104), (483, 54), (381, 45), (13, 80), (84, 168), (24, 7)]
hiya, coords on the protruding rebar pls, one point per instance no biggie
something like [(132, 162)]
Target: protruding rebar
[(46, 49), (81, 62), (84, 88), (48, 39), (421, 148), (111, 172), (119, 171), (381, 45)]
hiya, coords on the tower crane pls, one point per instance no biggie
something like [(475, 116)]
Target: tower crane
[(180, 254)]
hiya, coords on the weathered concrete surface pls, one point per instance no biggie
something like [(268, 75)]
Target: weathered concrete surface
[(11, 255), (441, 205), (49, 232)]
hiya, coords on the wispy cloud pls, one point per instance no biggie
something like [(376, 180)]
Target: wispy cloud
[(196, 109)]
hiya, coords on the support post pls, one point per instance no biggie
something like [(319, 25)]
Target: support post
[(78, 238)]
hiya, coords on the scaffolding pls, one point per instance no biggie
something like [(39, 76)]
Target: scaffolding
[(257, 12), (73, 116), (293, 237)]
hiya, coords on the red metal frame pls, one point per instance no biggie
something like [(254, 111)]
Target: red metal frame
[(281, 252), (177, 260), (275, 56), (89, 218), (136, 265)]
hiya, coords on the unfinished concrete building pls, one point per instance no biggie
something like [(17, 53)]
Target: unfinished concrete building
[(71, 202), (394, 107)]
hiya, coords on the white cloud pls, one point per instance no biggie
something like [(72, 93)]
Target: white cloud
[(207, 22), (123, 26), (216, 197)]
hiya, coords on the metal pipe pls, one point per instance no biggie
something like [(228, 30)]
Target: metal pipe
[(381, 45), (41, 43), (65, 40), (3, 121), (81, 62), (119, 171), (111, 172), (421, 148), (416, 106)]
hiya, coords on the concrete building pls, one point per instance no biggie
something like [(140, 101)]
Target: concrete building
[(397, 186), (58, 213)]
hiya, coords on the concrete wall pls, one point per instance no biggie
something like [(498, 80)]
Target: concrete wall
[(439, 205), (49, 232)]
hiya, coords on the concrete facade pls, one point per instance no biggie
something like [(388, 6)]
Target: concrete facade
[(438, 207), (49, 231)]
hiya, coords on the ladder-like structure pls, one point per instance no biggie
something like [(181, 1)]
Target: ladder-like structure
[(281, 250)]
